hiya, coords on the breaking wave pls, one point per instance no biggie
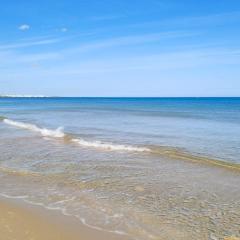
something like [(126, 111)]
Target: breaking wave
[(58, 133), (109, 146), (169, 152)]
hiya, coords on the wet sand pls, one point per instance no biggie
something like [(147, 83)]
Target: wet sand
[(19, 221)]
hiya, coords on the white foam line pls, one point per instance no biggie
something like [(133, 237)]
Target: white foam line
[(58, 133), (82, 220), (63, 211), (43, 131), (13, 197), (109, 146)]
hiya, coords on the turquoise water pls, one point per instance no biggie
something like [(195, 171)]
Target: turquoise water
[(133, 166)]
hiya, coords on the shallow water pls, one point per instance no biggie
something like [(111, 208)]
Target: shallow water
[(114, 163)]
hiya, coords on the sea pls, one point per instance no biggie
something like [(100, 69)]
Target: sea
[(148, 168)]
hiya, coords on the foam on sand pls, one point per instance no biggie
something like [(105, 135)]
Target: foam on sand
[(23, 221)]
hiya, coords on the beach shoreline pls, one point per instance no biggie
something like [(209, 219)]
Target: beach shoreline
[(166, 169), (22, 221)]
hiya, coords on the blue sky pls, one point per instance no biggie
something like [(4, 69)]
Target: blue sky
[(120, 48)]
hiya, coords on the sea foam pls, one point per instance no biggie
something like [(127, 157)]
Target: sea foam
[(109, 146), (58, 133)]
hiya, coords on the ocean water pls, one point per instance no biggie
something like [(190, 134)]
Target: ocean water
[(151, 168)]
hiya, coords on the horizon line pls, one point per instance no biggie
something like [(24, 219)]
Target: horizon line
[(42, 96)]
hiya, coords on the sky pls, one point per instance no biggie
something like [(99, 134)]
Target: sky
[(148, 48)]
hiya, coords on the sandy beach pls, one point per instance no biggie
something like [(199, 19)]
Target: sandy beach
[(20, 221)]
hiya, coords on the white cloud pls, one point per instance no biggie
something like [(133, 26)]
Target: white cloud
[(24, 27)]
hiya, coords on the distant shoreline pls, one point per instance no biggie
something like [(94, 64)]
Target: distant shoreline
[(117, 97), (24, 96)]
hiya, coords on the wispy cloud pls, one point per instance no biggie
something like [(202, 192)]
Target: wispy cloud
[(104, 17), (212, 19), (29, 43), (130, 40), (24, 27), (184, 59), (154, 67), (190, 21), (86, 48)]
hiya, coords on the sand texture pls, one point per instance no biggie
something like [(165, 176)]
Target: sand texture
[(20, 222)]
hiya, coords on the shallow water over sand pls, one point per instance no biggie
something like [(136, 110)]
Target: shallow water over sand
[(145, 194)]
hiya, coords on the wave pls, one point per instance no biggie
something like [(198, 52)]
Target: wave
[(109, 146), (164, 151), (58, 133)]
